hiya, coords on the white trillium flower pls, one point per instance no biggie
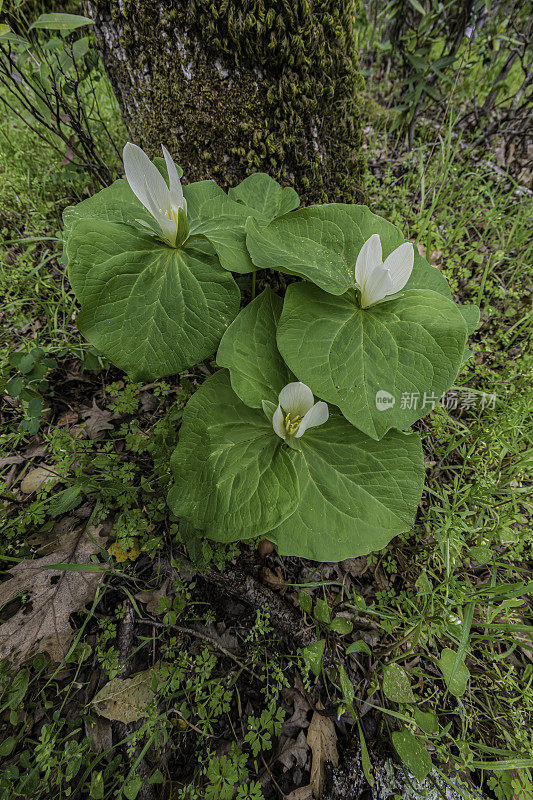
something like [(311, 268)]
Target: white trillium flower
[(378, 278), (297, 411), (166, 204)]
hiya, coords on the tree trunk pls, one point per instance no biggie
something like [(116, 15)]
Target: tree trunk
[(239, 86)]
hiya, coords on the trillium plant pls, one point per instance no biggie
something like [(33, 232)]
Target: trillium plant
[(300, 436), (376, 279), (166, 204), (297, 411)]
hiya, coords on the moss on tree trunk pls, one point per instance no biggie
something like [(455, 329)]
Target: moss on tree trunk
[(237, 86)]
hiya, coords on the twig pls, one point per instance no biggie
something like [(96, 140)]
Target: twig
[(280, 790), (285, 618), (467, 50), (125, 636), (245, 586), (198, 730), (204, 636)]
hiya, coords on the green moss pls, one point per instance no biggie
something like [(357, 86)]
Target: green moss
[(377, 115), (265, 85)]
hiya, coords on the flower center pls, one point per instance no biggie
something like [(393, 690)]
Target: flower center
[(170, 214), (292, 423)]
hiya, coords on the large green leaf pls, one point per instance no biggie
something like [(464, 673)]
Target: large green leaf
[(471, 317), (423, 276), (302, 245), (211, 213), (342, 495), (356, 493), (325, 252), (199, 193), (248, 349), (222, 222), (409, 348), (151, 309), (233, 478), (338, 214), (116, 203), (264, 196)]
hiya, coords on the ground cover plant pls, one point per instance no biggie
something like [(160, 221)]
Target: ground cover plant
[(157, 298), (161, 653)]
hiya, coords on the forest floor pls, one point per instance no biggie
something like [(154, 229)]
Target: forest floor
[(231, 648)]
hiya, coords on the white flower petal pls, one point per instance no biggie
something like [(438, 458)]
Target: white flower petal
[(159, 190), (176, 191), (400, 265), (145, 180), (370, 256), (150, 203), (296, 398), (278, 423), (167, 225), (378, 286), (316, 415)]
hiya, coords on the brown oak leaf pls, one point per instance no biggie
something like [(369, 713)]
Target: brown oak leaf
[(42, 623), (303, 793)]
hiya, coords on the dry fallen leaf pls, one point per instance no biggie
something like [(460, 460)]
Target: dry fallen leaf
[(100, 733), (292, 726), (303, 793), (273, 578), (294, 752), (35, 478), (97, 421), (42, 623), (220, 635), (45, 542), (265, 548), (68, 156), (322, 740), (125, 700), (68, 418), (148, 401), (152, 597), (433, 258), (9, 460)]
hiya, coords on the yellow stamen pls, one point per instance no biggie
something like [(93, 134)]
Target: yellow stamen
[(170, 215), (292, 424)]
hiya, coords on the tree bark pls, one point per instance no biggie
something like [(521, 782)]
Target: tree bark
[(239, 86)]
